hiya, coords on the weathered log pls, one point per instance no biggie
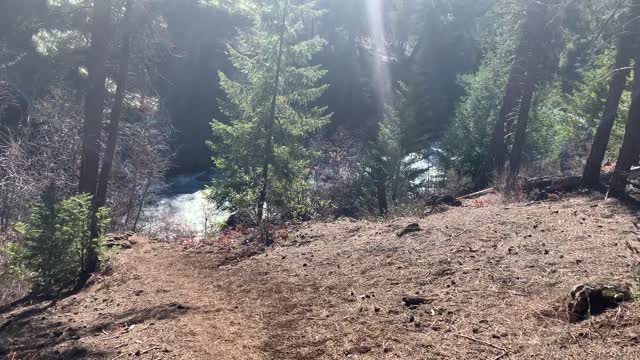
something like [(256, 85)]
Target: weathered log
[(565, 183), (478, 194)]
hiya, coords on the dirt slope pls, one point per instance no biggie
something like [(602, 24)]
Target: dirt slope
[(494, 278)]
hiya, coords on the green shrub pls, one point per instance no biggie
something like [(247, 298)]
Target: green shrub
[(52, 251)]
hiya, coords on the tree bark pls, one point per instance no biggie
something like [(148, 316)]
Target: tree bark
[(395, 186), (94, 107), (143, 197), (591, 174), (96, 92), (630, 151), (383, 206), (268, 126), (508, 110), (515, 162), (515, 90), (533, 39), (116, 110)]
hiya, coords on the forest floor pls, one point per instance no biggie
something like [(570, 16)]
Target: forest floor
[(495, 278)]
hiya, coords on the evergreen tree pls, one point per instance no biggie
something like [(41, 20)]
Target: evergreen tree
[(619, 79), (392, 168), (56, 241), (269, 108)]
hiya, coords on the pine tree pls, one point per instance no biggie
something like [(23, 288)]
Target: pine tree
[(56, 241), (617, 84), (269, 109), (94, 107), (391, 166), (630, 150)]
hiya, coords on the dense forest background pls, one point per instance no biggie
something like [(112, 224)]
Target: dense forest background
[(453, 55), (307, 109)]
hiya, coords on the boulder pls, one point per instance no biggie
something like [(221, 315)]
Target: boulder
[(411, 228), (591, 300)]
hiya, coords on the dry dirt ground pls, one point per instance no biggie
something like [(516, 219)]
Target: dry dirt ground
[(495, 278)]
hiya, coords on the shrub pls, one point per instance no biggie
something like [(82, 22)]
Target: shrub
[(54, 242)]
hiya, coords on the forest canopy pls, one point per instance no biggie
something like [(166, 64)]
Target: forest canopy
[(307, 109)]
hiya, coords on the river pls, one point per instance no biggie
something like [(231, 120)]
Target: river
[(180, 209)]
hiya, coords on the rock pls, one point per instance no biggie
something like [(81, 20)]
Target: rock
[(411, 228), (358, 350), (236, 219), (119, 240), (432, 200), (410, 301), (538, 195), (436, 209), (449, 200), (589, 300)]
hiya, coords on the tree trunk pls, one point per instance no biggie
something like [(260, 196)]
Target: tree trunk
[(268, 126), (591, 175), (514, 92), (533, 39), (130, 201), (395, 187), (94, 107), (116, 110), (508, 110), (630, 150), (96, 92), (520, 140), (383, 207), (143, 197)]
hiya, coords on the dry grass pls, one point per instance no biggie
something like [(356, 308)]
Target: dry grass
[(495, 275)]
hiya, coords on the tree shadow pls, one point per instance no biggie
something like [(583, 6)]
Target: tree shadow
[(34, 333)]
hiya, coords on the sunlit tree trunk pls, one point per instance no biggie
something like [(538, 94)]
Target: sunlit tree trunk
[(268, 126), (630, 150)]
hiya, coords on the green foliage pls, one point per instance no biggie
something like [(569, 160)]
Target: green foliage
[(54, 241), (241, 140), (565, 123), (393, 157), (468, 139), (567, 105)]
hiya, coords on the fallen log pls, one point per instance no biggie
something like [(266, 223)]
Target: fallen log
[(478, 194), (565, 183), (553, 183)]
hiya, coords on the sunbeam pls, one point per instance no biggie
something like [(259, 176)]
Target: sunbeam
[(381, 72)]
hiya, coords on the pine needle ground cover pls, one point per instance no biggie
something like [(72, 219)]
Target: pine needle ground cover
[(494, 278)]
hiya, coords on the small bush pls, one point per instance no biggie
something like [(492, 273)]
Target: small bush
[(52, 251)]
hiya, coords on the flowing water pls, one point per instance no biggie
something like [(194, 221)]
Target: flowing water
[(181, 208)]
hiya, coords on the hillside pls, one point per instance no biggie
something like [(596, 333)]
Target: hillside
[(493, 278)]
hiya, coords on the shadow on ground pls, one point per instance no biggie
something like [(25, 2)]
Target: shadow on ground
[(35, 332)]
